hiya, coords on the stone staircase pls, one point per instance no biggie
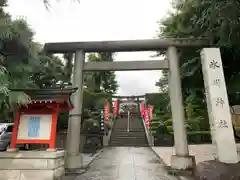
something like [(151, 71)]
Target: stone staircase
[(136, 137)]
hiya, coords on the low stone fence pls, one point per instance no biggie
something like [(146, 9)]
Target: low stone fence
[(61, 140)]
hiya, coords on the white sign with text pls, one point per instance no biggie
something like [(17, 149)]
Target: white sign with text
[(34, 127), (218, 106)]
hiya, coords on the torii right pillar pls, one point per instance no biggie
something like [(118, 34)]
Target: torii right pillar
[(181, 160)]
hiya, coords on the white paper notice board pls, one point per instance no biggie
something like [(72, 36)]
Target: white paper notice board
[(34, 127)]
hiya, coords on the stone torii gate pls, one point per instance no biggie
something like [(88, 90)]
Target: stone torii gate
[(181, 159), (136, 99)]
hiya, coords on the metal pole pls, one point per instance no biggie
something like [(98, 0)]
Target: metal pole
[(175, 90), (128, 128), (74, 158), (138, 107)]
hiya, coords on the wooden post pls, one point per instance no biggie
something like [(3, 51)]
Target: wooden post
[(53, 130)]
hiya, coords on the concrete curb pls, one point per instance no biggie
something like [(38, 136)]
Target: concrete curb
[(75, 173), (94, 157), (159, 157), (182, 175)]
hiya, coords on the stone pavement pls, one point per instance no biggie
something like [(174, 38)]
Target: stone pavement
[(126, 163), (202, 152), (88, 158)]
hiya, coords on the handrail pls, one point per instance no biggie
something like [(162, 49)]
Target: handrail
[(128, 125), (109, 134), (148, 134)]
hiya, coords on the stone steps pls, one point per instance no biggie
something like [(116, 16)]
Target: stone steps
[(133, 144), (135, 138), (129, 141), (131, 131), (128, 137), (140, 134)]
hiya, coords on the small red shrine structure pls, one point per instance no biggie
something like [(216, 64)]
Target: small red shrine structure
[(36, 123)]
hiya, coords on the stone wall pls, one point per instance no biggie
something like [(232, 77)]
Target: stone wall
[(35, 165), (61, 139)]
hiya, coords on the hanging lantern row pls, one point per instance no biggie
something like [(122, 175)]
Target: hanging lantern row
[(106, 112), (102, 121)]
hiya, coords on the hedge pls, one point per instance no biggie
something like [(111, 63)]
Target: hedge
[(154, 125), (198, 137), (194, 137)]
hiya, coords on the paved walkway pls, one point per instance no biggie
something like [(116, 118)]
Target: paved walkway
[(88, 158), (126, 163), (202, 152)]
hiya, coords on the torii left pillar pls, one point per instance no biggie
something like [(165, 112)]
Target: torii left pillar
[(74, 157)]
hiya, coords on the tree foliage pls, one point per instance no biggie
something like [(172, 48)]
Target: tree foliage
[(218, 21), (23, 64), (102, 81)]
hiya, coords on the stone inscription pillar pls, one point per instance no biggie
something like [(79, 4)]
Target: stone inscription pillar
[(218, 106)]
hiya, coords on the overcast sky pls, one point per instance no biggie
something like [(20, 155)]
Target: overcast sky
[(96, 20)]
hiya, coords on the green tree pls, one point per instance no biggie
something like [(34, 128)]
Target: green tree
[(68, 57), (102, 81), (217, 21), (162, 83), (22, 63), (51, 73)]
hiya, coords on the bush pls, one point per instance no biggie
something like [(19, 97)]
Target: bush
[(198, 137), (194, 137), (154, 125), (95, 99), (168, 122), (169, 128)]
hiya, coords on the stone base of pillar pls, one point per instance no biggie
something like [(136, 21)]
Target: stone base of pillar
[(183, 162), (29, 165), (106, 138), (73, 163), (12, 150)]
